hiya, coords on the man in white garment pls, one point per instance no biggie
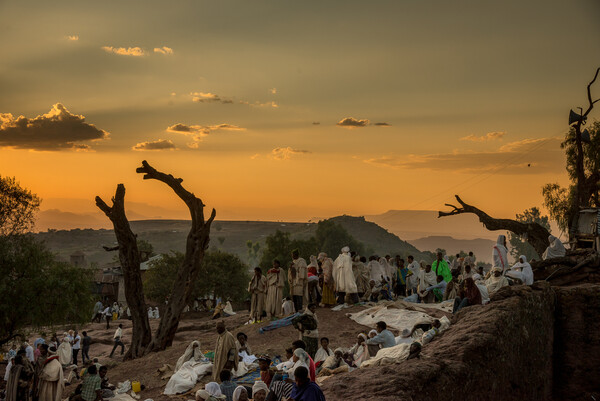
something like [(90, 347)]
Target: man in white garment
[(500, 254), (298, 279), (344, 277), (412, 281)]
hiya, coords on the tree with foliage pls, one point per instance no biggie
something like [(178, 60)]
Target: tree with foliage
[(253, 252), (329, 237), (222, 274), (519, 246), (18, 206), (38, 291)]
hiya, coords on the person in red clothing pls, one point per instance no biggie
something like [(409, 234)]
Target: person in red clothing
[(266, 375), (312, 370)]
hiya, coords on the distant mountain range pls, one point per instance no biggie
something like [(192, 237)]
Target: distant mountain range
[(396, 231)]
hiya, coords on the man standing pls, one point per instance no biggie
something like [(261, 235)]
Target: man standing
[(226, 355), (307, 324), (328, 281), (118, 340), (51, 381), (97, 314), (86, 341), (344, 277), (107, 316), (275, 284), (440, 267), (413, 279), (298, 279), (76, 346), (500, 254), (257, 289)]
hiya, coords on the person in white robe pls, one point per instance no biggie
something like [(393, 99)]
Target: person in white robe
[(344, 277), (300, 358), (156, 313), (150, 313), (521, 271), (376, 271), (324, 351), (427, 278), (495, 281), (65, 352), (388, 269), (556, 249), (412, 280), (51, 381), (360, 351), (500, 253), (29, 352), (192, 352)]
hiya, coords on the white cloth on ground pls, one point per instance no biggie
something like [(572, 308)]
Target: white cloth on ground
[(187, 376)]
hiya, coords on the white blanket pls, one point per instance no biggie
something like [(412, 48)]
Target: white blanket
[(393, 315), (187, 376)]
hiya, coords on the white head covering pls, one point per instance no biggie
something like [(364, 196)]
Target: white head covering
[(202, 394), (213, 389), (345, 249), (313, 261), (322, 256), (302, 355), (237, 392), (556, 249), (259, 385), (190, 353), (372, 332)]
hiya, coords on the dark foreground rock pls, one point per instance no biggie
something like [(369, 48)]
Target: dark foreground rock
[(529, 343)]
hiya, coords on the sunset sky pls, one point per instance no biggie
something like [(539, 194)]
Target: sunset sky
[(290, 110)]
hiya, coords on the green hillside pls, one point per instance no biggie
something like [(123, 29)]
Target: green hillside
[(229, 236)]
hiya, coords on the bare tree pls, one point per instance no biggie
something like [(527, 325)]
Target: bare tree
[(585, 186), (536, 234), (196, 245)]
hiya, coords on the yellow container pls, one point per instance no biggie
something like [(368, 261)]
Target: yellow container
[(115, 315), (136, 387)]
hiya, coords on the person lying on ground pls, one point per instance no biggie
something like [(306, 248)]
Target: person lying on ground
[(431, 333)]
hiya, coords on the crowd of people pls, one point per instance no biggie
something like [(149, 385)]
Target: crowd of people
[(41, 372)]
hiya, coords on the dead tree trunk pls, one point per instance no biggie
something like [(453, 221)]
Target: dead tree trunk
[(130, 263), (196, 245), (536, 235)]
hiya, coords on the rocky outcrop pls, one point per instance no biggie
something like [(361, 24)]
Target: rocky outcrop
[(529, 343), (577, 343)]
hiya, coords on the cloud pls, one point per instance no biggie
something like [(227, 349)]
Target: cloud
[(286, 153), (273, 91), (161, 144), (72, 37), (383, 124), (528, 156), (267, 104), (130, 51), (207, 97), (198, 132), (351, 122), (490, 136), (56, 130), (316, 123), (163, 50)]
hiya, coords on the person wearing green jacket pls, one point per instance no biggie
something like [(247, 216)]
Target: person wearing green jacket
[(440, 267)]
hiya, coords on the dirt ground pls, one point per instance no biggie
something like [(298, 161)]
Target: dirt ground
[(340, 329)]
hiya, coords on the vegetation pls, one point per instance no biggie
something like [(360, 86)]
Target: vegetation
[(559, 200), (17, 207), (222, 274), (520, 246), (35, 289)]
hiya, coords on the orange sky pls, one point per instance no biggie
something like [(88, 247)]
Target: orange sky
[(414, 102)]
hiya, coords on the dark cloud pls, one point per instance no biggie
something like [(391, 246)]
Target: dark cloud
[(316, 123), (56, 130), (180, 128), (383, 124), (161, 144), (351, 122)]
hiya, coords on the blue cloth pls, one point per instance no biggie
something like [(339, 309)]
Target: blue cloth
[(253, 375), (307, 392), (385, 338), (277, 324)]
